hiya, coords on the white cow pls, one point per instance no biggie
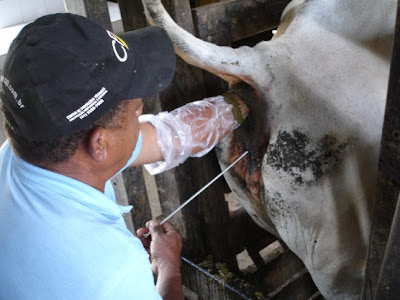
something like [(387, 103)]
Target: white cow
[(310, 175)]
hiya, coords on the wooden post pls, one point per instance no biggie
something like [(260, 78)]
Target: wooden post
[(205, 219), (388, 281), (388, 187), (95, 10), (226, 22), (234, 20), (213, 24), (133, 18)]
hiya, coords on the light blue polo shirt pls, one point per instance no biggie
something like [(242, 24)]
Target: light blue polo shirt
[(63, 239)]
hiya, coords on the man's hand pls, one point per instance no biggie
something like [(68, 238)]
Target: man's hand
[(164, 246)]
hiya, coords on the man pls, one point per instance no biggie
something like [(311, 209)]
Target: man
[(71, 98)]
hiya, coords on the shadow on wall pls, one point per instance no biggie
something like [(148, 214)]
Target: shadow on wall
[(2, 133)]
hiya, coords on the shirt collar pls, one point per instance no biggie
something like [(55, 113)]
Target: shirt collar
[(103, 203)]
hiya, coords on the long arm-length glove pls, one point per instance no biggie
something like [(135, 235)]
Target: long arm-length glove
[(194, 129)]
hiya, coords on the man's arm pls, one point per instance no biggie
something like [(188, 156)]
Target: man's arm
[(150, 152), (191, 130)]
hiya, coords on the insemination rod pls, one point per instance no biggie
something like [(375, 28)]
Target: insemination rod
[(198, 192)]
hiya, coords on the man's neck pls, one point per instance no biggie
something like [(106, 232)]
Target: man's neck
[(81, 167), (81, 172)]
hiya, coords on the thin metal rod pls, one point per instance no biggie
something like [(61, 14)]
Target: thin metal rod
[(199, 192)]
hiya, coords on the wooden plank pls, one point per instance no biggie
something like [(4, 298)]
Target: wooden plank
[(388, 282), (137, 196), (228, 22), (245, 233), (278, 271), (207, 216), (213, 23), (122, 199), (166, 185), (132, 14), (300, 289), (243, 18), (95, 10), (388, 182), (133, 18)]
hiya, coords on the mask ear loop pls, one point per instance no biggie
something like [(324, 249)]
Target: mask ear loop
[(135, 152)]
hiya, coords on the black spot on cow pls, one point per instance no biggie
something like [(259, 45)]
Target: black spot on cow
[(306, 160), (277, 206)]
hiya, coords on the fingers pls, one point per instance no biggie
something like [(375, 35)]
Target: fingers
[(165, 246), (146, 242), (168, 228), (142, 231), (154, 227)]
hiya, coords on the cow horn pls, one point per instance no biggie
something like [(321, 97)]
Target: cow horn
[(225, 62)]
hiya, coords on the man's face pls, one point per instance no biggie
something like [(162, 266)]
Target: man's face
[(125, 136)]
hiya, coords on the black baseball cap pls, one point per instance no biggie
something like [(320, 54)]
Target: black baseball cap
[(63, 72)]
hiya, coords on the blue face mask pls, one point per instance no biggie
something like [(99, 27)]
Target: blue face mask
[(135, 152)]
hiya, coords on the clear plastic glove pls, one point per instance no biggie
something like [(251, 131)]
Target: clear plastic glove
[(190, 131)]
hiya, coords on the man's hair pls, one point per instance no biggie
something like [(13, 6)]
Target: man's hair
[(59, 149)]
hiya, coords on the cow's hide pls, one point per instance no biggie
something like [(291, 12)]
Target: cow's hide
[(314, 140)]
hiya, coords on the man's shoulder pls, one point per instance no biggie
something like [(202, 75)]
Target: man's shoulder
[(6, 155), (5, 147)]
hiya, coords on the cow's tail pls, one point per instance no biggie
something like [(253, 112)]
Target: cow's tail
[(232, 65)]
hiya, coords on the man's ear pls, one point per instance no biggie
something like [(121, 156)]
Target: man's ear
[(97, 144)]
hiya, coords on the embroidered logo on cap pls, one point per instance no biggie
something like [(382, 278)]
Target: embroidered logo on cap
[(89, 107), (12, 91), (117, 40)]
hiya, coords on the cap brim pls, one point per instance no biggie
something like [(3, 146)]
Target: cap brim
[(155, 61)]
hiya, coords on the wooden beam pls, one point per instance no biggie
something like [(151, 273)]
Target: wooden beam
[(242, 18), (132, 178), (388, 184), (132, 14), (207, 216), (166, 185), (95, 10), (137, 196), (121, 196), (388, 281)]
